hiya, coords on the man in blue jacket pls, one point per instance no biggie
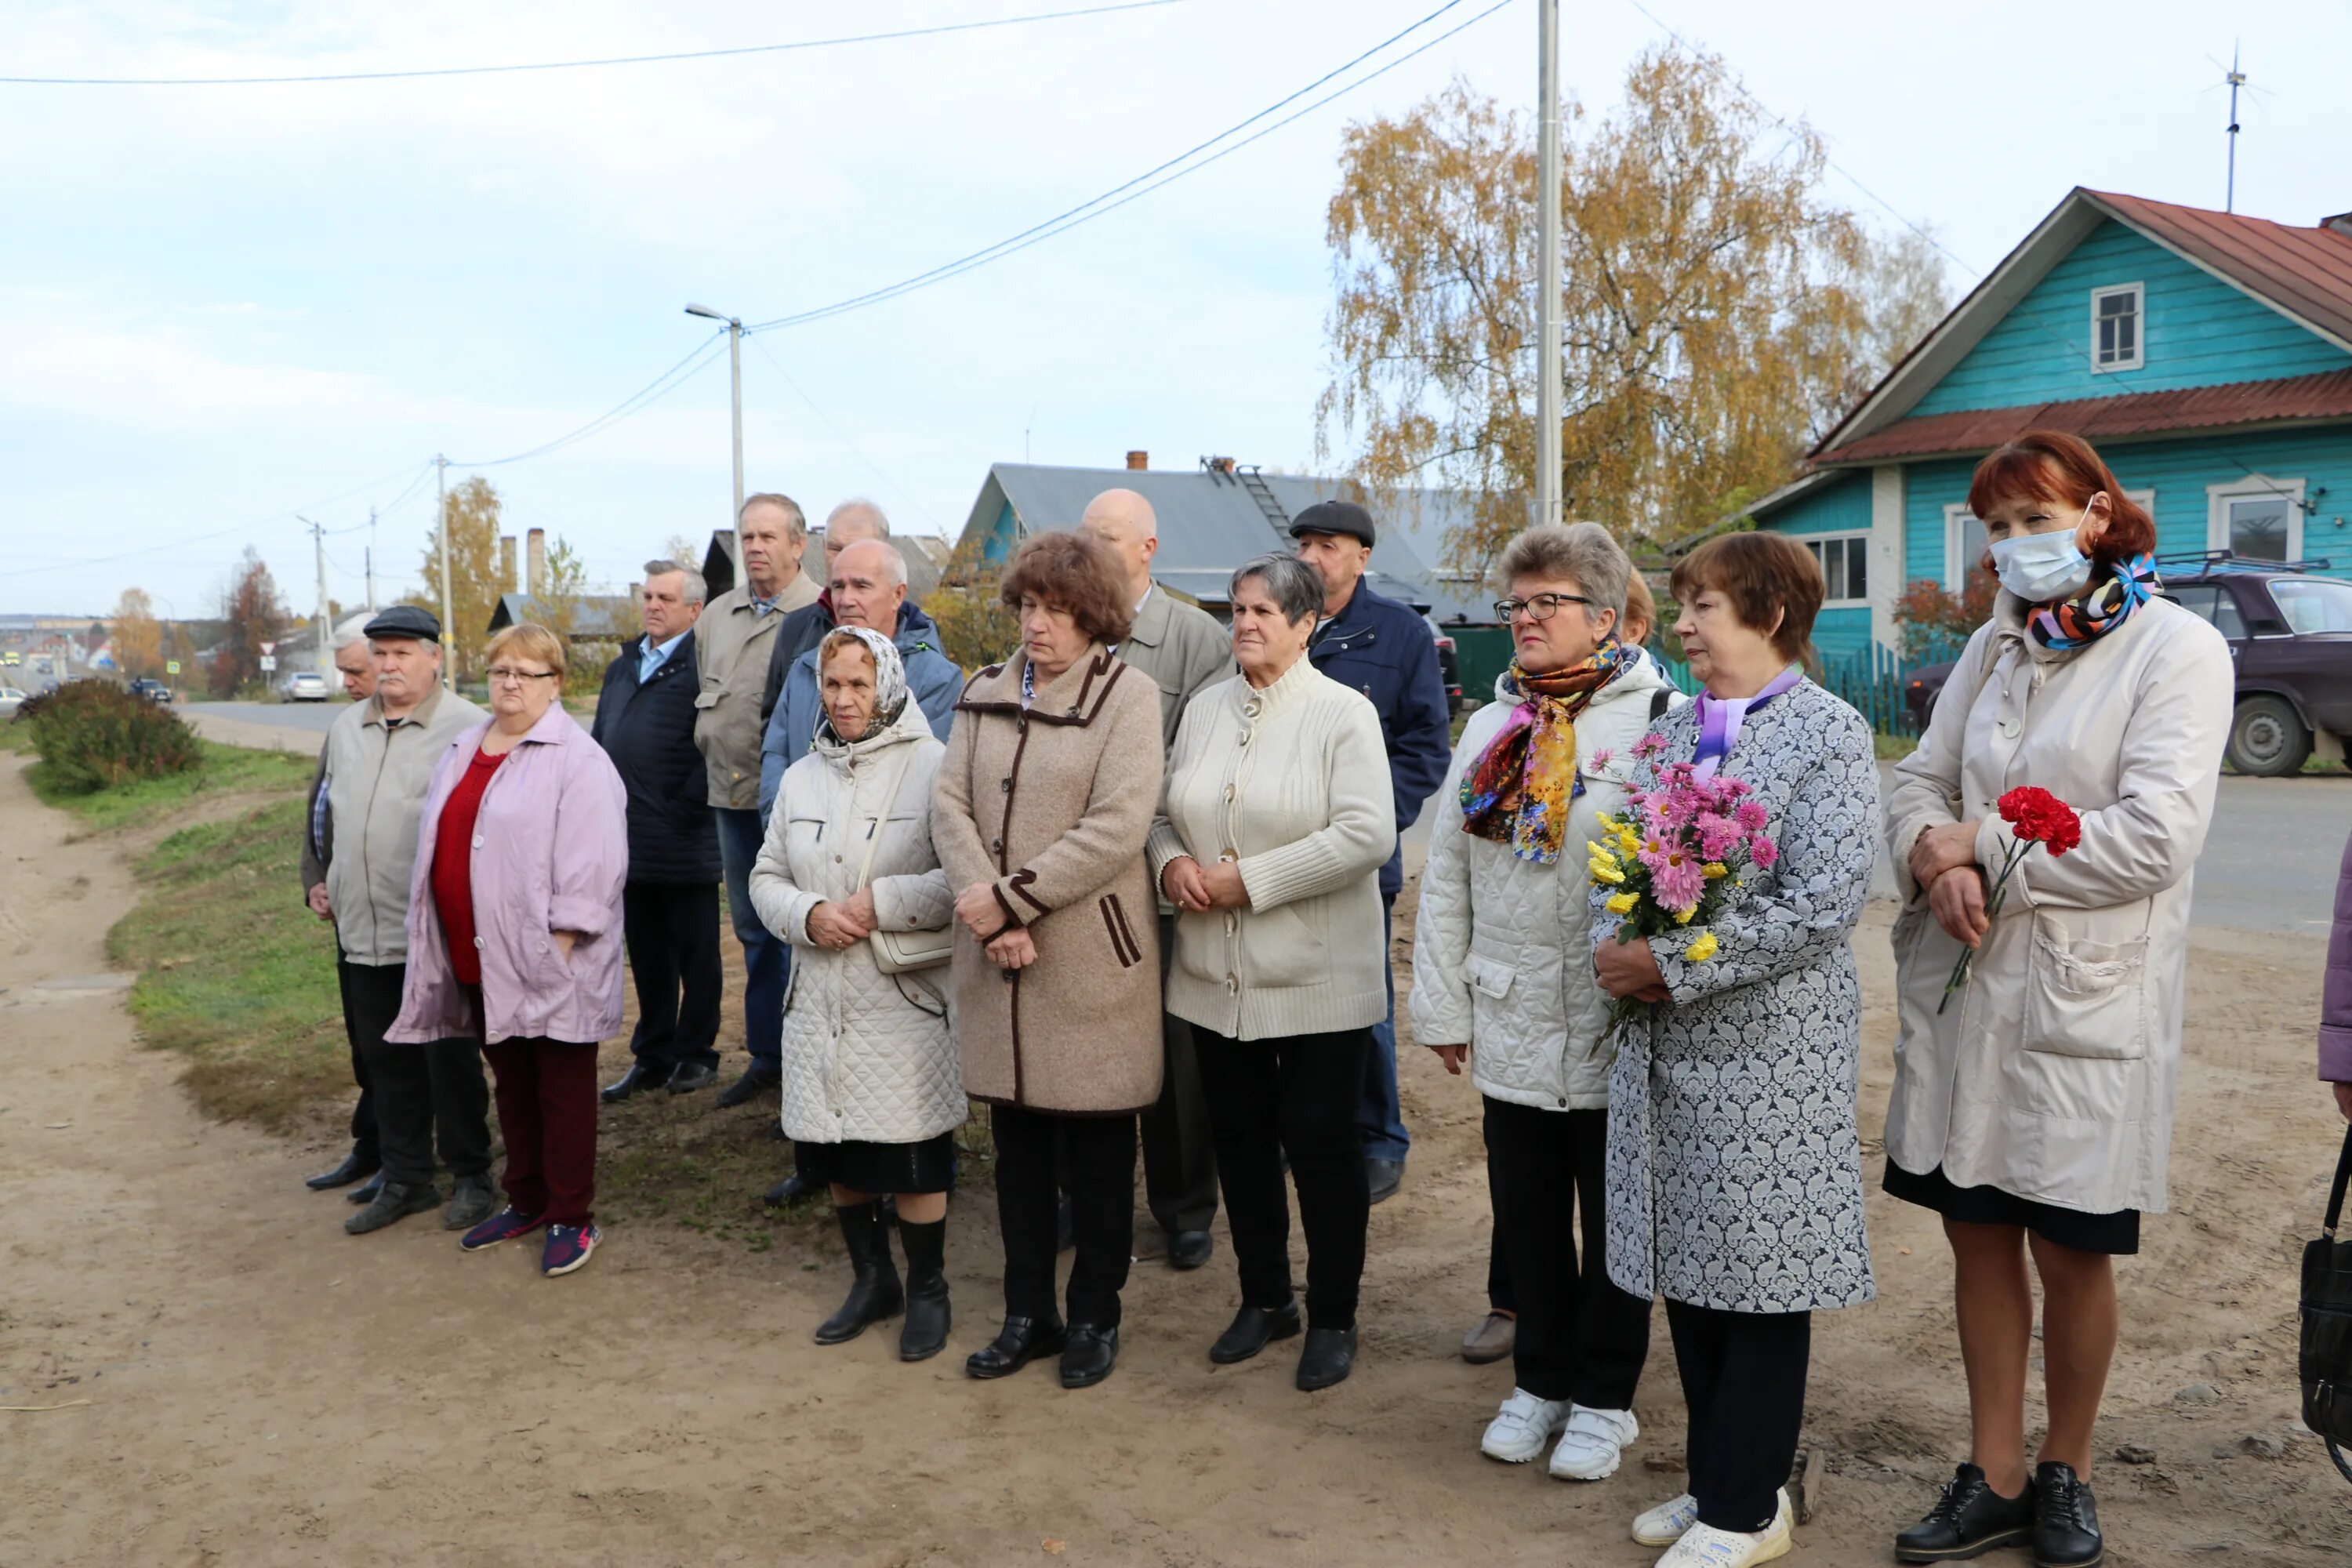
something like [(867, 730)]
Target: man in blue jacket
[(669, 906), (1387, 652)]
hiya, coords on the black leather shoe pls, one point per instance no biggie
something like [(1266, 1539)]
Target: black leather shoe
[(741, 1091), (1022, 1340), (472, 1200), (1089, 1355), (790, 1190), (1329, 1358), (1384, 1177), (393, 1202), (364, 1193), (690, 1077), (1969, 1519), (1254, 1328), (874, 1294), (356, 1164), (1190, 1249), (637, 1080), (2065, 1520)]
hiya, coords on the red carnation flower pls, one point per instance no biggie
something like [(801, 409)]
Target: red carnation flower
[(2037, 816)]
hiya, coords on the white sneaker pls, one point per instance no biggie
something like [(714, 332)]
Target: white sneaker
[(1521, 1429), (1668, 1522), (1591, 1443), (1704, 1546)]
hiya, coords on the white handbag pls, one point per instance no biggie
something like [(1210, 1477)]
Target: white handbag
[(902, 951)]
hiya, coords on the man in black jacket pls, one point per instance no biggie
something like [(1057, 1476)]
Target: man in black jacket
[(801, 630), (669, 907)]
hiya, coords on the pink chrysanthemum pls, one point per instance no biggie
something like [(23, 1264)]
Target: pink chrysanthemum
[(1762, 850)]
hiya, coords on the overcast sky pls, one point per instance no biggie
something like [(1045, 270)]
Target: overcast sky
[(219, 305)]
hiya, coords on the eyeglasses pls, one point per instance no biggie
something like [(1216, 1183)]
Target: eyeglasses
[(1542, 607), (502, 676)]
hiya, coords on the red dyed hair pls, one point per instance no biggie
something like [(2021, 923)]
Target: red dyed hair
[(2052, 466)]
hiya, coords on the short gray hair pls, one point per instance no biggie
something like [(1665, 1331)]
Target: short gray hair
[(353, 635), (859, 503), (1296, 588), (696, 590), (796, 520), (1585, 553), (895, 563)]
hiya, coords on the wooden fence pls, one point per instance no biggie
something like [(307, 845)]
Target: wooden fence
[(1874, 681)]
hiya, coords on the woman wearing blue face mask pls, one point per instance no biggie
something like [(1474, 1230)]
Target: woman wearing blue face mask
[(2032, 1108)]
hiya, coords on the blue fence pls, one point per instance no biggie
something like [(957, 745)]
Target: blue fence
[(1873, 681)]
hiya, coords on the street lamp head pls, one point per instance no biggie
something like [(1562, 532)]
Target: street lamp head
[(708, 312)]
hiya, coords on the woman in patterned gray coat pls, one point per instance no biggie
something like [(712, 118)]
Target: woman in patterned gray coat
[(1735, 1170)]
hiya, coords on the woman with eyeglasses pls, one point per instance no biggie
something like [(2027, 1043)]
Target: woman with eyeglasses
[(514, 934)]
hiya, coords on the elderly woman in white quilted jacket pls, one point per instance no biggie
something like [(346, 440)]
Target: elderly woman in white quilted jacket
[(872, 1090), (1503, 978)]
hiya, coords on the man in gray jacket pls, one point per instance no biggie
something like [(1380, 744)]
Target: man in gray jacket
[(1185, 651), (356, 664), (380, 759)]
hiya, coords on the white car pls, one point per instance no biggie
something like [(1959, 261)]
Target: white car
[(10, 700), (305, 686)]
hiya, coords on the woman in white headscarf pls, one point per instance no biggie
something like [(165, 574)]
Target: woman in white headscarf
[(872, 1090)]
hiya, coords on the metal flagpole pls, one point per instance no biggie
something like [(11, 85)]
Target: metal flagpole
[(448, 638), (1548, 284)]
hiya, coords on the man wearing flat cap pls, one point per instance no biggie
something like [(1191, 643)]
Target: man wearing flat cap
[(380, 759), (1384, 650)]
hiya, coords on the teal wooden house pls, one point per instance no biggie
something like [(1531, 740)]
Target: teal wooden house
[(2207, 356)]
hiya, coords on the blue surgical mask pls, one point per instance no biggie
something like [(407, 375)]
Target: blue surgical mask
[(2041, 567)]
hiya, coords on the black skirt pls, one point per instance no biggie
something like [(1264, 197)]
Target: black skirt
[(2117, 1234), (862, 1167)]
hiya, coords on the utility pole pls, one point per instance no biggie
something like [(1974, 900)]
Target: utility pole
[(2236, 78), (735, 385), (448, 640), (371, 561), (1547, 315), (326, 631)]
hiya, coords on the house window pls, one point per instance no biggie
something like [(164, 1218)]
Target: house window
[(2116, 327), (1844, 561), (2257, 516), (1964, 546)]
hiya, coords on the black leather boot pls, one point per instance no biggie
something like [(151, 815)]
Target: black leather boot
[(2065, 1520), (358, 1165), (1969, 1519), (1329, 1357), (1022, 1340), (925, 1332), (1254, 1328), (874, 1294)]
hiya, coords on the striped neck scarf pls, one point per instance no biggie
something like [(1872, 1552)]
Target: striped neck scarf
[(2082, 619), (1519, 790)]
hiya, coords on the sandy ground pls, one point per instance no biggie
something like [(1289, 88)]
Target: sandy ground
[(262, 1389)]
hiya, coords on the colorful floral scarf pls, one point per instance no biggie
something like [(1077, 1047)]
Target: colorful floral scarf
[(1519, 790), (2098, 609)]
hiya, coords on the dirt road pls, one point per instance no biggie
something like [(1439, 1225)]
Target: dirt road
[(262, 1389)]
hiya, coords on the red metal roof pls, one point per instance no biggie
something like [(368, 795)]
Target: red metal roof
[(2304, 271), (2324, 396)]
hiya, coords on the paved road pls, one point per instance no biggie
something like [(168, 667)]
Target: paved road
[(314, 717)]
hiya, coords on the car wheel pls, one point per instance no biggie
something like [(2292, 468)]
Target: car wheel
[(2267, 738)]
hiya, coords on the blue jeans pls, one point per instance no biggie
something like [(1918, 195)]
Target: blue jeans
[(767, 961), (1378, 1116)]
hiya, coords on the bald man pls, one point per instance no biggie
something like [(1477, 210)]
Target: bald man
[(853, 522), (1183, 649)]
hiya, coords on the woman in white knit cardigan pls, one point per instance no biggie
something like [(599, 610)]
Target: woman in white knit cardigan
[(1274, 821)]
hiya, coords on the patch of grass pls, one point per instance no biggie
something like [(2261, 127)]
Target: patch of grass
[(1894, 748), (224, 768), (16, 737)]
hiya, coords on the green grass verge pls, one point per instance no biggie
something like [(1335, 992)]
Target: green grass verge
[(224, 768), (1894, 748)]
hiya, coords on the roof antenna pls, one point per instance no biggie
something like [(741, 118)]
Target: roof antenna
[(2236, 78)]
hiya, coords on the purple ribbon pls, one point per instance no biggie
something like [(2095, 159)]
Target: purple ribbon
[(1720, 718)]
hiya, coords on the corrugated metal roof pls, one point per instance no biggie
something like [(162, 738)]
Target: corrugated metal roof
[(2306, 272), (2236, 404), (602, 617)]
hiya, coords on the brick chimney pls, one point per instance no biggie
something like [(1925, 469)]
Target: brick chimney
[(507, 563), (536, 582), (1138, 460)]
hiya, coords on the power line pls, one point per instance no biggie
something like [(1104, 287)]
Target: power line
[(827, 421), (1158, 175), (584, 65), (644, 396)]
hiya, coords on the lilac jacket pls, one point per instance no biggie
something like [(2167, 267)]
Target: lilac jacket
[(551, 852), (2335, 1011)]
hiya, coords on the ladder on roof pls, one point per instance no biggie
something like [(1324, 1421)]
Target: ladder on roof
[(1263, 493)]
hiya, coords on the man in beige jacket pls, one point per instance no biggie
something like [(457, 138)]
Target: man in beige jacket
[(733, 640)]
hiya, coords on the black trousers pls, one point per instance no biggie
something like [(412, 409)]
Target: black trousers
[(1579, 1337), (1099, 1153), (1744, 1381), (364, 1139), (421, 1091), (672, 935), (1500, 1297), (1297, 1095)]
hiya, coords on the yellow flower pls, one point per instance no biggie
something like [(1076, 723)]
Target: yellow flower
[(1623, 903), (1607, 822), (1683, 917), (1606, 873), (1714, 869), (1629, 843), (1602, 852), (1703, 949)]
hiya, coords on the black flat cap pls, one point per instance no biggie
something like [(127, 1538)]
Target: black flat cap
[(1334, 517), (405, 621)]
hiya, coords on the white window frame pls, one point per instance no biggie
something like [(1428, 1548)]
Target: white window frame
[(2138, 292), (1956, 517), (2253, 487), (1853, 539)]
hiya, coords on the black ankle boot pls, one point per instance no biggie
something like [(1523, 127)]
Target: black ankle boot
[(874, 1293), (925, 1332), (2065, 1520)]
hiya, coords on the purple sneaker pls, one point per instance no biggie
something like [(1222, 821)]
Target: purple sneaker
[(568, 1247), (504, 1225)]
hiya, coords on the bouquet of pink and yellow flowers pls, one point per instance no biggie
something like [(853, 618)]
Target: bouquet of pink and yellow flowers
[(1674, 859)]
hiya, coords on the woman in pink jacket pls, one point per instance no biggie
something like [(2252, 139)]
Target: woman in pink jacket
[(514, 934), (2336, 1008)]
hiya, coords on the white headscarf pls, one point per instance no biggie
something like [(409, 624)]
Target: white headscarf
[(889, 684)]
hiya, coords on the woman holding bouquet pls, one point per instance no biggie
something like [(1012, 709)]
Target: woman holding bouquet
[(1735, 1168), (2034, 1108)]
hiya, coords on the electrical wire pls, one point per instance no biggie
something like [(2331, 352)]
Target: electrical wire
[(585, 65), (644, 398), (837, 434), (1158, 175)]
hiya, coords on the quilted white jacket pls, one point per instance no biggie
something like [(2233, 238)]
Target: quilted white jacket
[(867, 1056), (1502, 955)]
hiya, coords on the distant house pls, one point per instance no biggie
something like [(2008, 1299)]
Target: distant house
[(2207, 356), (602, 617), (1214, 516)]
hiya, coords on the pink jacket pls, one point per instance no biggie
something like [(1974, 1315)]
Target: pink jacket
[(551, 852), (2335, 1007)]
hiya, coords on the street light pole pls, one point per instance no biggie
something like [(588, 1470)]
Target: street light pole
[(1547, 315), (735, 385), (448, 640)]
